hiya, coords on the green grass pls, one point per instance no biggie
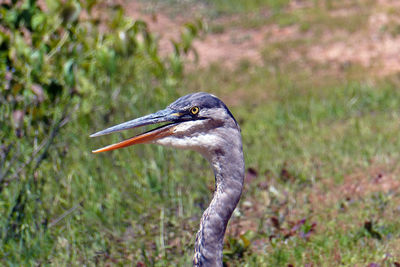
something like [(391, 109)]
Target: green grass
[(219, 7), (317, 140), (320, 131), (237, 6), (144, 203)]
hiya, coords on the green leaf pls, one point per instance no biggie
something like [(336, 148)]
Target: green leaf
[(68, 73), (38, 20)]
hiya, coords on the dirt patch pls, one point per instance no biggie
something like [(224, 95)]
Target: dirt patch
[(227, 48), (235, 45), (376, 47)]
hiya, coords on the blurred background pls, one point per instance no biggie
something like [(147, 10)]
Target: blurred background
[(314, 85)]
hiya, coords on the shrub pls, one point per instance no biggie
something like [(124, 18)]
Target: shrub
[(59, 63)]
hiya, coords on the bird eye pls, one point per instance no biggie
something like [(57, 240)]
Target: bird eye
[(194, 110)]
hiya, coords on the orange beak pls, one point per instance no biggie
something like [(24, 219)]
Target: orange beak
[(162, 116), (139, 139)]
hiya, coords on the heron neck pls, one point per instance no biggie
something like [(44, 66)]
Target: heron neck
[(228, 166)]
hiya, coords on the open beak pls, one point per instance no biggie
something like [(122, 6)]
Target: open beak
[(166, 115)]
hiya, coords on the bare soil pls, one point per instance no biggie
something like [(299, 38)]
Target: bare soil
[(375, 46)]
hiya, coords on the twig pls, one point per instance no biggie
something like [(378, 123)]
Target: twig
[(65, 214), (61, 122), (45, 144), (7, 170), (50, 140), (18, 208), (5, 155), (58, 46), (27, 162)]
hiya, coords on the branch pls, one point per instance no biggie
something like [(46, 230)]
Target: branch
[(3, 162), (44, 145), (65, 214)]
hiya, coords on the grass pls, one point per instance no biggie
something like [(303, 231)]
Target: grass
[(321, 148), (306, 135), (138, 206)]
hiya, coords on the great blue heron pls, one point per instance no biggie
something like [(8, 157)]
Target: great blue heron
[(203, 123)]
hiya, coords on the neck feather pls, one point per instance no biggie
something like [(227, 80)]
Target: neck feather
[(228, 166)]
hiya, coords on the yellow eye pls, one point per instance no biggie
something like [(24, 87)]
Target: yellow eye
[(194, 110)]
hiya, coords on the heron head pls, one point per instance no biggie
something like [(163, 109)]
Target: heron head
[(198, 121)]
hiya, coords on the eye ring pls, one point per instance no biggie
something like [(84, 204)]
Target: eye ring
[(194, 110)]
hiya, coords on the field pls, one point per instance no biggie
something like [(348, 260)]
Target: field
[(314, 86)]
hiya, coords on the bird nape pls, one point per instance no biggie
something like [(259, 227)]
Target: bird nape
[(200, 122)]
